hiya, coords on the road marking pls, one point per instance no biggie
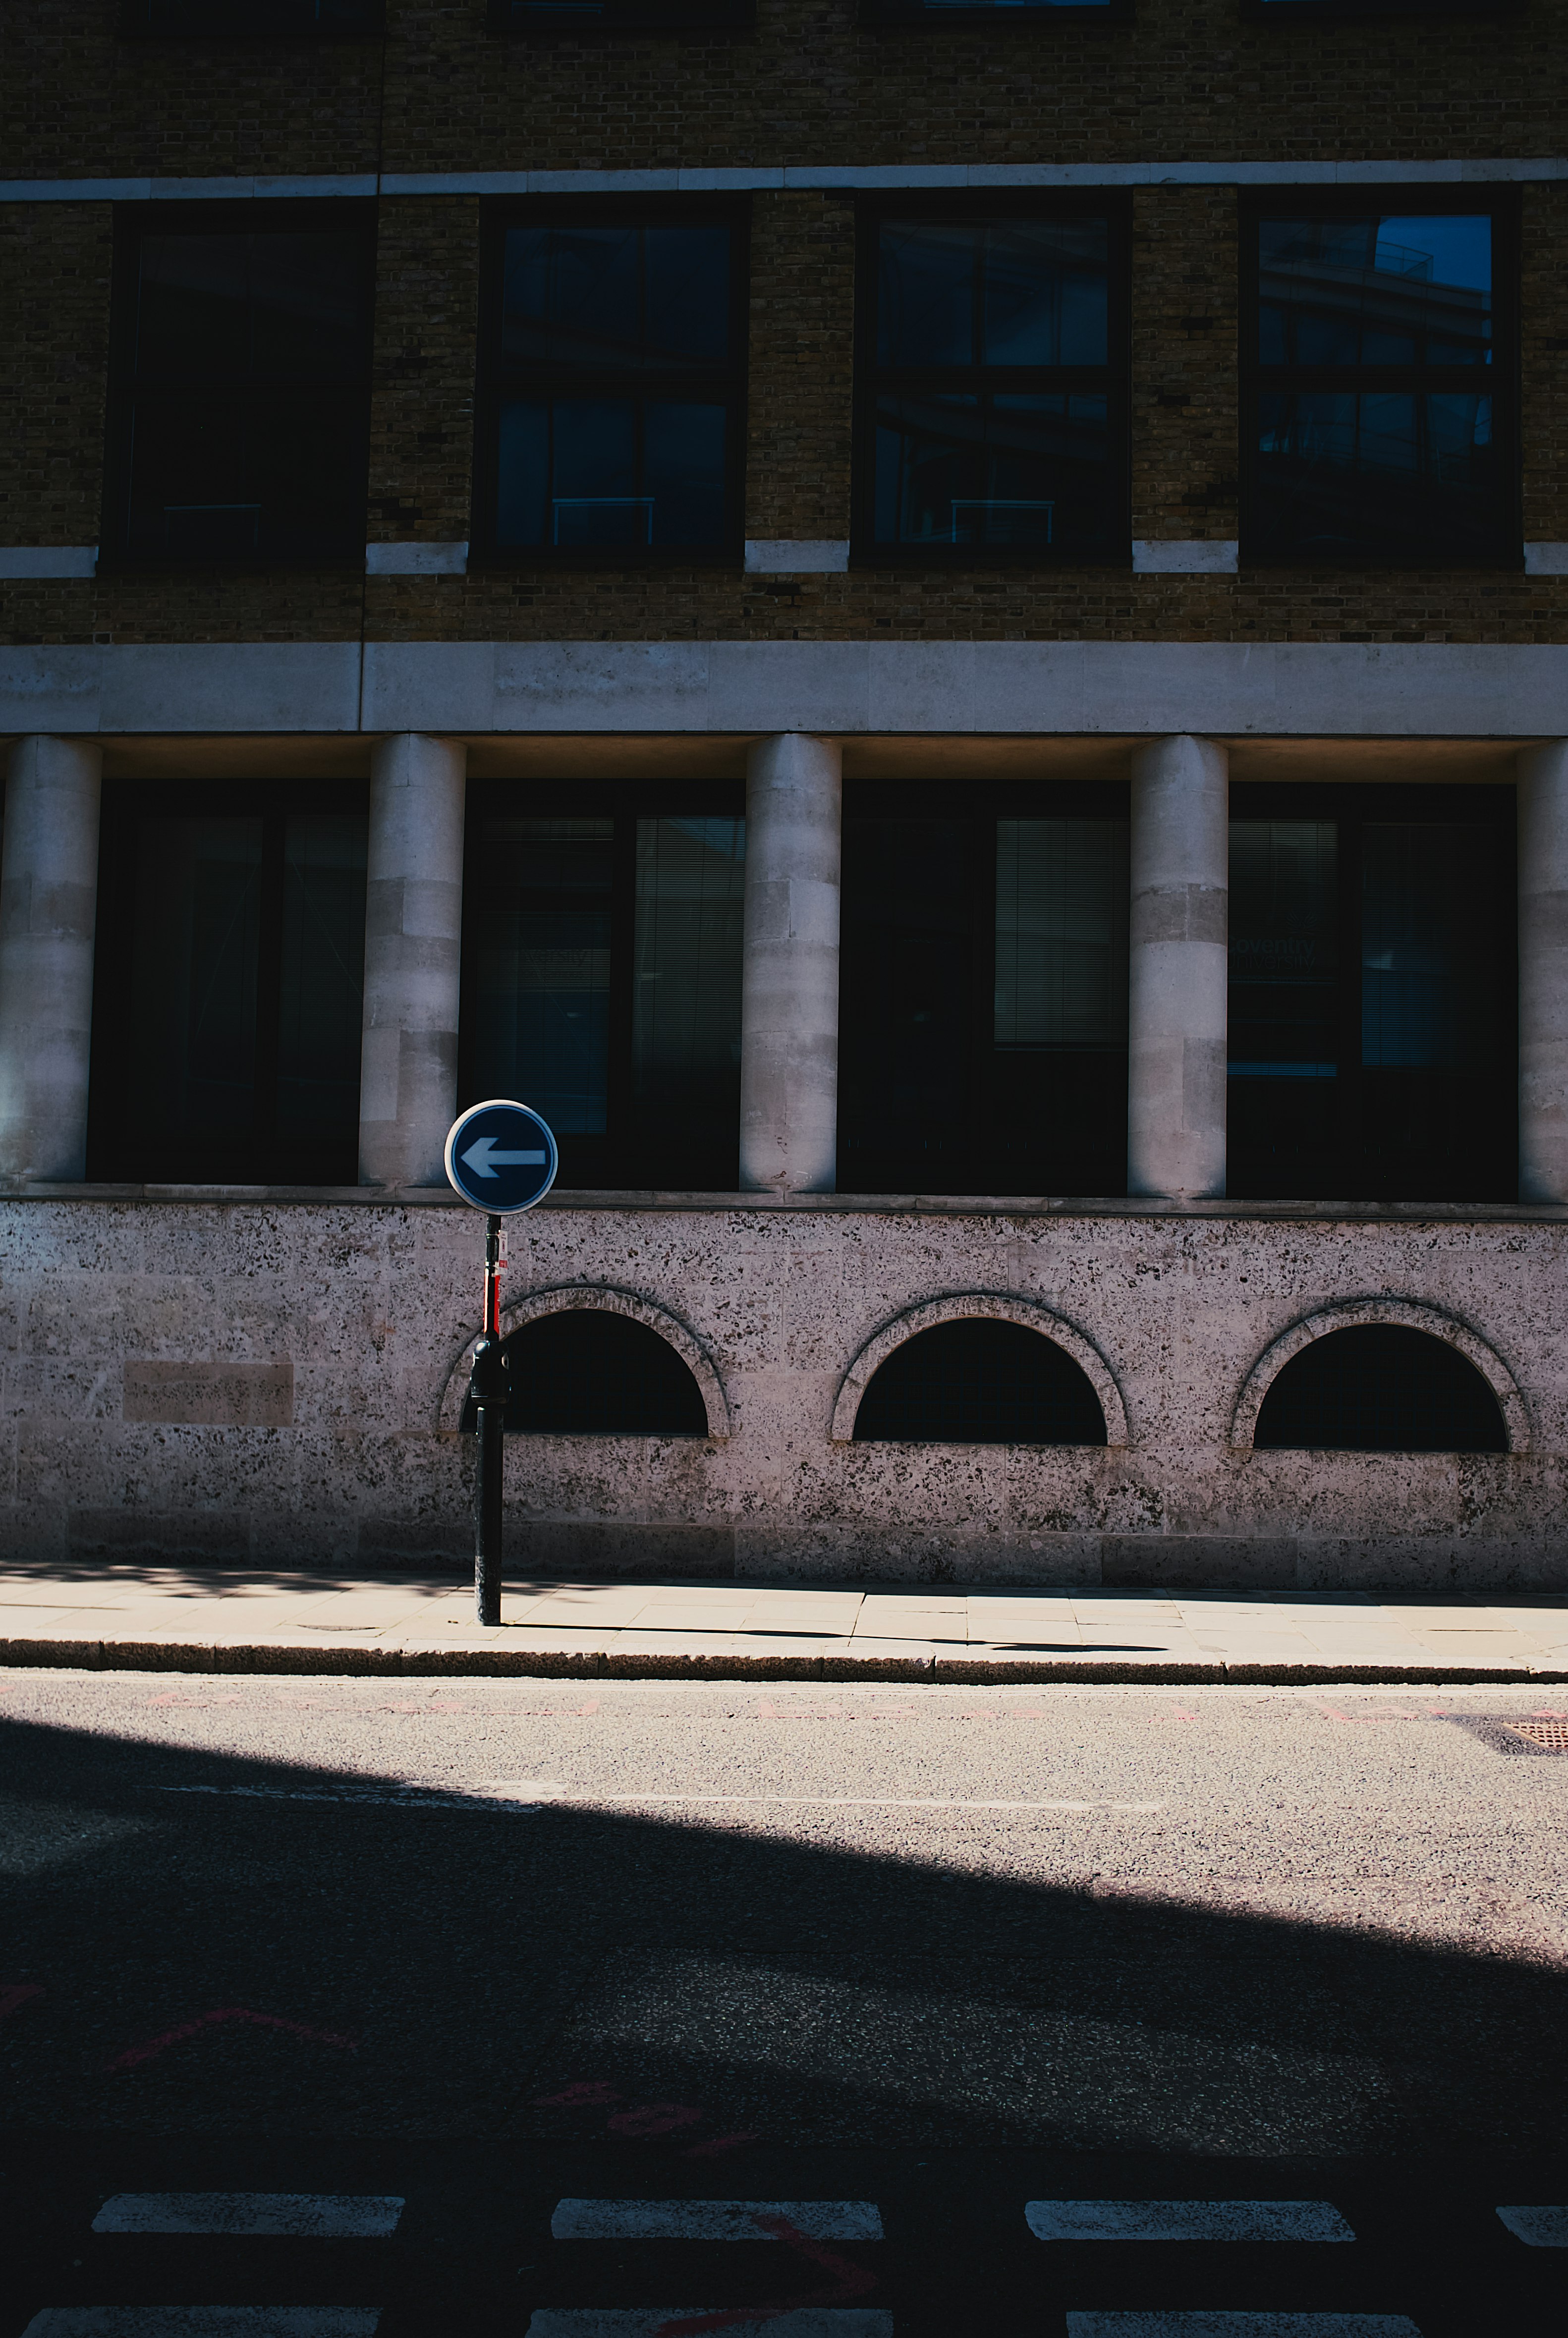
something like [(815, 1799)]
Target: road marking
[(1185, 2220), (673, 2321), (1538, 2228), (1240, 2325), (204, 2322), (411, 1799), (713, 2220), (14, 1993), (152, 2047), (585, 1797), (302, 2216)]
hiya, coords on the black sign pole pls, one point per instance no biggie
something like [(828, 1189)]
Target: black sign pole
[(490, 1386)]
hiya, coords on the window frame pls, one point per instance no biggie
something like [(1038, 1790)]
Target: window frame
[(1501, 377), (1114, 206), (133, 222), (491, 381), (980, 806), (1353, 806), (614, 1155), (125, 802)]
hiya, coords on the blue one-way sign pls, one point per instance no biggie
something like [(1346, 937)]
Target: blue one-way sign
[(501, 1157)]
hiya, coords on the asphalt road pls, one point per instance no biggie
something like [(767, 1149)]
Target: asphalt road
[(482, 1947)]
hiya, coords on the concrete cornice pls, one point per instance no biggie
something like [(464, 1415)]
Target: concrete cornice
[(780, 177), (841, 689)]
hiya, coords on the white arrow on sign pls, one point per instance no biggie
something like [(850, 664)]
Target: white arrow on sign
[(485, 1161)]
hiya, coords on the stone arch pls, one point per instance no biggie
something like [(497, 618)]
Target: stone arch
[(1411, 1315), (1006, 1307), (602, 1299)]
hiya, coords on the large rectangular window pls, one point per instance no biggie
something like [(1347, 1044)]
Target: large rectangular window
[(602, 980), (230, 981), (1380, 348), (612, 424), (992, 387), (984, 1024), (240, 384), (1372, 1019)]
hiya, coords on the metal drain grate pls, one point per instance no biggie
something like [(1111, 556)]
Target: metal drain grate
[(1551, 1736)]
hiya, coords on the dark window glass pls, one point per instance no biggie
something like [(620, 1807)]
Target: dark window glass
[(1372, 1041), (251, 18), (984, 1021), (240, 396), (980, 1382), (617, 380), (1381, 1388), (587, 1372), (993, 410), (604, 986), (227, 1028), (1379, 417)]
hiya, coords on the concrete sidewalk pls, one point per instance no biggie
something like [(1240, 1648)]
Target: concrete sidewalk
[(163, 1618)]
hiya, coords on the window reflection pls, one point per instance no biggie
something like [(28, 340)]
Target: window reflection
[(543, 1002)]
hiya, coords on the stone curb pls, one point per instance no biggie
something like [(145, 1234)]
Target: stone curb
[(598, 1664)]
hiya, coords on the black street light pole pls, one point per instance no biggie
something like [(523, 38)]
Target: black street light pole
[(490, 1386)]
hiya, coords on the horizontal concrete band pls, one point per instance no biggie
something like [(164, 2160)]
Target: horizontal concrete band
[(782, 177), (341, 1657), (889, 689)]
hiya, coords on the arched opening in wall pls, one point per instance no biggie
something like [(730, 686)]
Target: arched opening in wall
[(588, 1373), (980, 1381), (1381, 1388)]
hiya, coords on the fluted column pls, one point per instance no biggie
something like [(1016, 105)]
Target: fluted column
[(1176, 976), (790, 981), (1542, 775), (413, 933), (48, 912)]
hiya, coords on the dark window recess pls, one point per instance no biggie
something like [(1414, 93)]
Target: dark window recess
[(1381, 1388), (229, 990), (1380, 420), (983, 1024), (603, 985), (252, 19), (992, 402), (1372, 1038), (587, 16), (980, 1382), (611, 423), (585, 1372), (239, 395), (998, 13)]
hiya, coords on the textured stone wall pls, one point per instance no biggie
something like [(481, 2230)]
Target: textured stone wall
[(350, 1322)]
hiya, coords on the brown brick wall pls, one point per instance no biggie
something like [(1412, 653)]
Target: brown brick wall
[(801, 385), (54, 268), (422, 402), (1185, 388)]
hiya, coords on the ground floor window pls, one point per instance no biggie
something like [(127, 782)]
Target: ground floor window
[(1372, 1046), (984, 1009), (229, 978), (603, 975)]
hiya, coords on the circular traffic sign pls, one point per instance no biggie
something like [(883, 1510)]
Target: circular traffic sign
[(500, 1156)]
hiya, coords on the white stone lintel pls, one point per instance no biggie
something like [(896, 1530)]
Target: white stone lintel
[(417, 559), (777, 556), (38, 560), (1184, 556), (1547, 560)]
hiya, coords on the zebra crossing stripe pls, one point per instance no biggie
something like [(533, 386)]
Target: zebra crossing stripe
[(734, 2322), (1240, 2325), (713, 2220), (1185, 2220), (1538, 2228), (299, 2216), (204, 2322)]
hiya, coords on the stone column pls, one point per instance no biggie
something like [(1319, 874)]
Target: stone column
[(413, 931), (1176, 976), (48, 908), (1544, 973), (789, 978)]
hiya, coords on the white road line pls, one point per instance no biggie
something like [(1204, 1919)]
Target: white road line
[(204, 2322), (1538, 2228), (302, 2216), (652, 2321), (1185, 2220), (1240, 2325), (713, 2220), (412, 1799), (586, 1797)]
